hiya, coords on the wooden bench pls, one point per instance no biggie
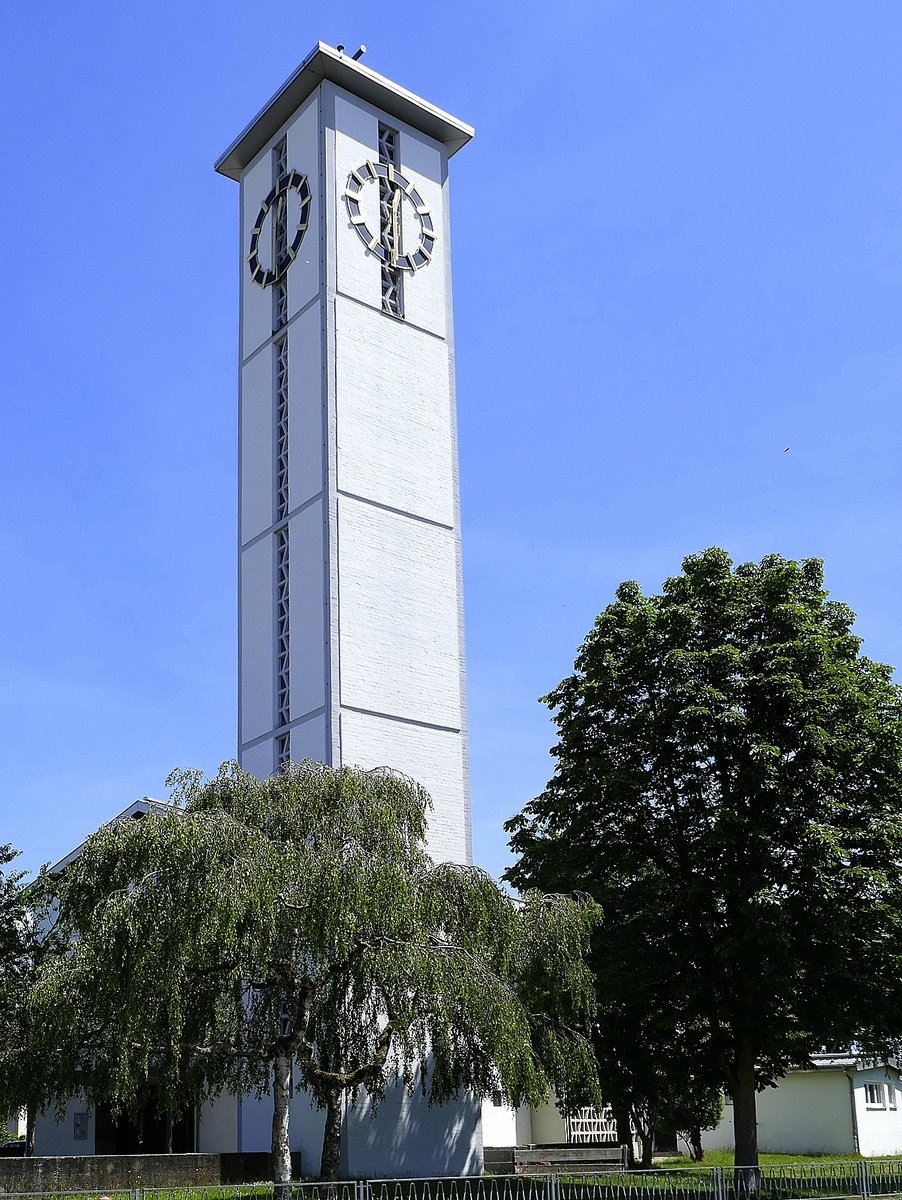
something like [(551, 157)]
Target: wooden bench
[(570, 1159)]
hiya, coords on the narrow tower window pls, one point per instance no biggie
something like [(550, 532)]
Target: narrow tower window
[(281, 415), (280, 238), (390, 226), (283, 753), (283, 638), (282, 501)]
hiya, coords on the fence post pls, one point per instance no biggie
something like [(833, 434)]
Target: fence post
[(718, 1183), (864, 1179)]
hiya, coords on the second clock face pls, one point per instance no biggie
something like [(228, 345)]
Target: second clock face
[(286, 234), (400, 203)]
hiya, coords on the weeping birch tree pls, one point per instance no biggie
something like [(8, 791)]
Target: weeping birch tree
[(256, 925)]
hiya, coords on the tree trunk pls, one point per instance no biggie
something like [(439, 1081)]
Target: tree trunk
[(621, 1115), (328, 1169), (647, 1142), (31, 1113), (281, 1150), (644, 1124), (745, 1127), (170, 1124), (696, 1149)]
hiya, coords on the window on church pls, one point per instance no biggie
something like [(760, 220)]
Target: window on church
[(390, 225), (281, 415), (280, 239), (283, 634), (283, 752)]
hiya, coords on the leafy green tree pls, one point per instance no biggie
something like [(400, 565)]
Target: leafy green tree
[(300, 920), (688, 1107), (652, 1065), (728, 787), (14, 961), (27, 937)]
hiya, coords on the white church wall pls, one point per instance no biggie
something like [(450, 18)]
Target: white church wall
[(433, 757), (305, 428), (426, 294), (256, 639), (304, 277), (217, 1125), (423, 161), (308, 740), (408, 1138), (256, 303), (394, 427), (354, 137), (307, 583), (255, 444), (258, 760), (304, 146), (399, 646)]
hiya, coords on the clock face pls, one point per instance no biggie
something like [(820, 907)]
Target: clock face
[(404, 206), (292, 190)]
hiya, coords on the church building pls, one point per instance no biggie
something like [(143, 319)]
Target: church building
[(350, 618)]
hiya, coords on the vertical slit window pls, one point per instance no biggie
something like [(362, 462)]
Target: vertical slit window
[(281, 415), (280, 238), (283, 631), (390, 226), (282, 690), (283, 751)]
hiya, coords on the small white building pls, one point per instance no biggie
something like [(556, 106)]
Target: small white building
[(841, 1104)]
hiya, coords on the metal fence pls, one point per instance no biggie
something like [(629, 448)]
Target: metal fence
[(866, 1179)]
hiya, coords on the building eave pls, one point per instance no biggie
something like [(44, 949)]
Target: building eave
[(325, 62), (136, 810)]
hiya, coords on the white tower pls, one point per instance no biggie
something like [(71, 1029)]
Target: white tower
[(350, 603)]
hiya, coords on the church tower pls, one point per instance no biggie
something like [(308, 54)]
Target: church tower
[(350, 603)]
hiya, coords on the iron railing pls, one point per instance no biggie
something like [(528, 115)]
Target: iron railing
[(852, 1179)]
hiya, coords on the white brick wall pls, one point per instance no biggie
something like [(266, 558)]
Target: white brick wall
[(394, 413), (398, 615), (433, 757)]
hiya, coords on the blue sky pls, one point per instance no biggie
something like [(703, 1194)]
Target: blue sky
[(677, 252)]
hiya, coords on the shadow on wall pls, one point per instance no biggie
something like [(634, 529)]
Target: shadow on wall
[(408, 1139)]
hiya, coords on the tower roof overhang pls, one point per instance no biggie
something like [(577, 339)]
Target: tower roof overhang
[(325, 62)]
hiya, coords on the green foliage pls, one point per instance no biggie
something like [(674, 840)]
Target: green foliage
[(14, 957), (301, 918), (728, 788), (27, 937)]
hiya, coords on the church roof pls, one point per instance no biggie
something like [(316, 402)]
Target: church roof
[(325, 62)]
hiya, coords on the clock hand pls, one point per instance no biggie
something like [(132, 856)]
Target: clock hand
[(395, 225)]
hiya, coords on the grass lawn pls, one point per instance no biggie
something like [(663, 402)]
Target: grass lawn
[(724, 1158)]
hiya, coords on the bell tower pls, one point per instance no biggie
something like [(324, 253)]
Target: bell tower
[(350, 604)]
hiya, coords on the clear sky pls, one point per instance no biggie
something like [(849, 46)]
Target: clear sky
[(678, 304)]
